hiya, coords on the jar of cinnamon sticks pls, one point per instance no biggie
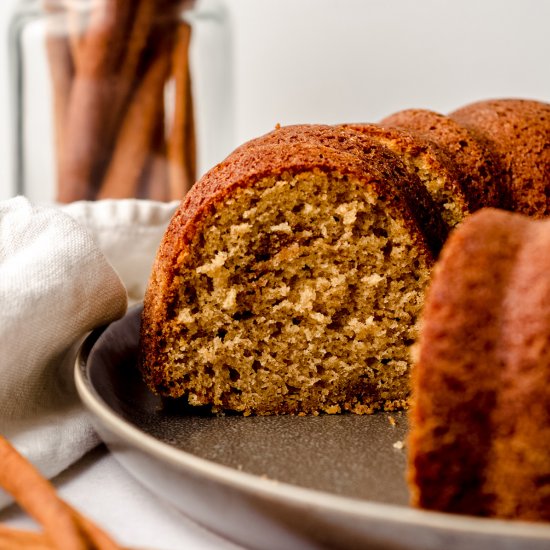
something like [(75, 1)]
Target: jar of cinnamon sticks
[(119, 98)]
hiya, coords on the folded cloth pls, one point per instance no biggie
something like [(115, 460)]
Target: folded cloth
[(56, 284)]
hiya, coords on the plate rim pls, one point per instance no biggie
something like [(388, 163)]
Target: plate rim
[(244, 481)]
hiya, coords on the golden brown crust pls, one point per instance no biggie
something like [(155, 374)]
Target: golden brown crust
[(480, 421), (518, 131), (377, 159), (458, 336), (480, 171), (520, 466)]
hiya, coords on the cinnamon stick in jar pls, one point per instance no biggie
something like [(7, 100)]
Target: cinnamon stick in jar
[(90, 100), (62, 74), (181, 144), (109, 102), (154, 179), (135, 138)]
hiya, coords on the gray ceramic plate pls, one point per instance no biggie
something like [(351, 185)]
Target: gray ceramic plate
[(272, 482)]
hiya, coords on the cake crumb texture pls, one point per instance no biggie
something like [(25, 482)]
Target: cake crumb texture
[(301, 294)]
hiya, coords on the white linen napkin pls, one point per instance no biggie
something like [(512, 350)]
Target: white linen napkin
[(57, 284)]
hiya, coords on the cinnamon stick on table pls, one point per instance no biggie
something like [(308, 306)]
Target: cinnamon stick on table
[(64, 528), (38, 498), (15, 539)]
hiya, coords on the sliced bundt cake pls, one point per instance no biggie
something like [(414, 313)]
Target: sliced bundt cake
[(292, 275), (480, 421), (290, 280)]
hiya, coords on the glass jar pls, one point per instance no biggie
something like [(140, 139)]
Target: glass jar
[(119, 98)]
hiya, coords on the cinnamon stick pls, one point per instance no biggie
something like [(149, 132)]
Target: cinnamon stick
[(154, 181), (156, 187), (61, 64), (130, 69), (190, 135), (62, 73), (95, 537), (91, 99), (181, 172), (135, 136), (75, 31), (140, 28), (38, 498), (15, 539), (64, 528)]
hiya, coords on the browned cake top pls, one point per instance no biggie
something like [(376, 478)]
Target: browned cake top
[(299, 148), (434, 168), (480, 170), (519, 132), (411, 144), (377, 158)]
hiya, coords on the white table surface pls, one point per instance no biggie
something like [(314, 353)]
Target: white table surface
[(101, 489)]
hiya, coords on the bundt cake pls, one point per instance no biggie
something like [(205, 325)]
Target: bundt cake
[(518, 131), (480, 421), (480, 172), (291, 278)]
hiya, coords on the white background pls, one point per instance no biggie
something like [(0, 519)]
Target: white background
[(359, 60)]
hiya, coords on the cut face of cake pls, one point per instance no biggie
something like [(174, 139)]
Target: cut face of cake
[(292, 275), (290, 281)]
